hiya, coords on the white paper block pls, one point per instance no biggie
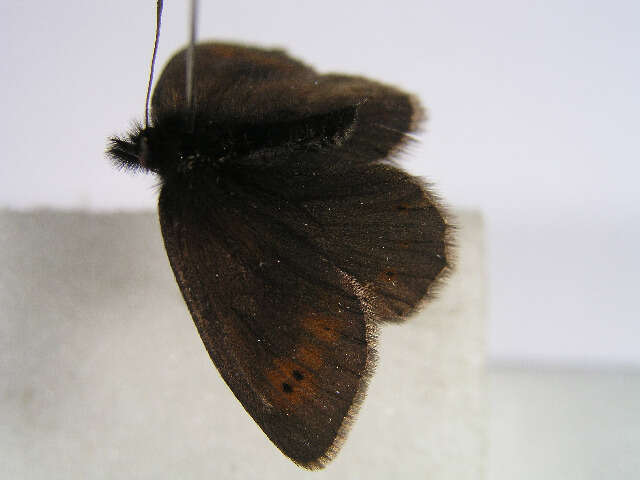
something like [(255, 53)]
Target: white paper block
[(103, 374)]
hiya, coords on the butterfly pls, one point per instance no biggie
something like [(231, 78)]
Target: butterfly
[(290, 229)]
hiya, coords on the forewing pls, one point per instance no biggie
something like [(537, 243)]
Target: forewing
[(287, 330), (229, 81), (237, 85)]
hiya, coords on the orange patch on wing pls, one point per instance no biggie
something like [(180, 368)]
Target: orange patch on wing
[(290, 382), (406, 208), (322, 327), (403, 208), (388, 275), (309, 355)]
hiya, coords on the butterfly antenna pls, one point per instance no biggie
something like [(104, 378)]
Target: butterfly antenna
[(153, 63), (191, 59)]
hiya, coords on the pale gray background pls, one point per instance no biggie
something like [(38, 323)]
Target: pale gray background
[(103, 374), (533, 118)]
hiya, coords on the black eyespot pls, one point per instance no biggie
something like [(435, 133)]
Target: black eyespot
[(297, 375), (286, 388)]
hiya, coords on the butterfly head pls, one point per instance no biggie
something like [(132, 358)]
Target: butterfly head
[(169, 148)]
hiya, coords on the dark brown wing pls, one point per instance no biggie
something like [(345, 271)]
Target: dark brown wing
[(285, 290), (242, 85), (228, 79), (381, 226), (374, 222), (287, 330), (287, 264)]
